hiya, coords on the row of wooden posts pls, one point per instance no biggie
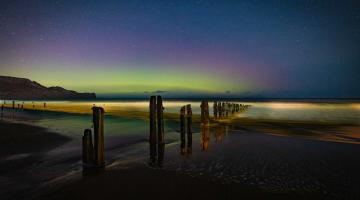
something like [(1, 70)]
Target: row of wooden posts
[(223, 109), (19, 106), (93, 153)]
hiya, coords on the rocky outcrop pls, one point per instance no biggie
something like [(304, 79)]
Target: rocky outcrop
[(25, 89)]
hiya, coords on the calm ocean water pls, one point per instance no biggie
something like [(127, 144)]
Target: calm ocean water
[(121, 110), (71, 117)]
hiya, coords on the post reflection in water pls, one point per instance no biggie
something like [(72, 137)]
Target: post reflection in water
[(205, 138), (219, 130), (219, 133)]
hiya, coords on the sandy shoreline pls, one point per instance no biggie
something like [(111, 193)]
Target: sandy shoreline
[(16, 138), (250, 150), (139, 182)]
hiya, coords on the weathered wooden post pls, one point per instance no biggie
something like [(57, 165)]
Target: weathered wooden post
[(215, 109), (204, 112), (220, 109), (160, 120), (13, 104), (207, 115), (152, 137), (2, 110), (224, 105), (44, 105), (182, 130), (88, 148), (189, 128), (98, 120), (160, 129)]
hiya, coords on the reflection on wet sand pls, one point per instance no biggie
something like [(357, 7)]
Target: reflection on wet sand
[(219, 131), (205, 138)]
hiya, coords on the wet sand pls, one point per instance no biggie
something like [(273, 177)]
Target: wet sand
[(254, 159), (21, 151), (139, 182), (16, 138), (241, 165)]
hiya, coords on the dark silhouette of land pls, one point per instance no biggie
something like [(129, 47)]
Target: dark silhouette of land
[(25, 89)]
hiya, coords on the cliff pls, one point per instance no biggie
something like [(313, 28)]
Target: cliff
[(25, 89)]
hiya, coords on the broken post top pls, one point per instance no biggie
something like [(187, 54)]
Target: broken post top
[(95, 108), (159, 103), (188, 110), (87, 132), (182, 110), (153, 98)]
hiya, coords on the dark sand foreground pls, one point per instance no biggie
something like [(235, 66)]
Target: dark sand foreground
[(21, 149), (284, 161), (151, 183), (18, 138)]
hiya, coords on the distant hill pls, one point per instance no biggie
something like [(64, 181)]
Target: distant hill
[(25, 89)]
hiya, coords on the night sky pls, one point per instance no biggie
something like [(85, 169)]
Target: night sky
[(236, 48)]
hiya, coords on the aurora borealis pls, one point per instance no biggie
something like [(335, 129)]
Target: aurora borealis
[(244, 48)]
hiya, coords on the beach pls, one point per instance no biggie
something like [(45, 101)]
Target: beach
[(235, 157)]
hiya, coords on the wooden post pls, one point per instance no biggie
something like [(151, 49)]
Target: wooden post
[(88, 148), (207, 115), (13, 104), (219, 109), (160, 129), (189, 128), (152, 137), (98, 120), (2, 110), (160, 120), (202, 116), (204, 112), (215, 109), (182, 130)]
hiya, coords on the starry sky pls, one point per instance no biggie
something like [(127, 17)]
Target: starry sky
[(248, 48)]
